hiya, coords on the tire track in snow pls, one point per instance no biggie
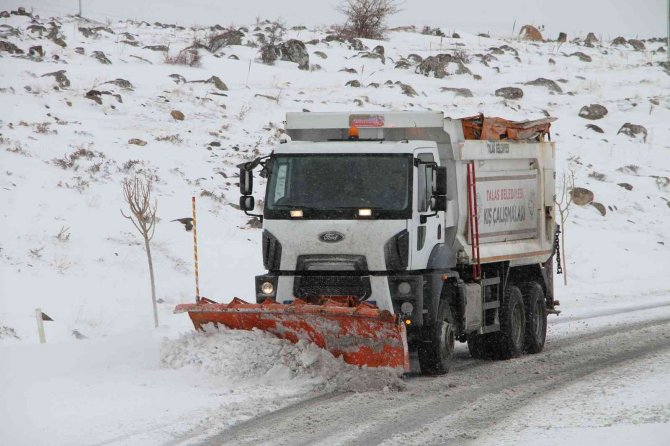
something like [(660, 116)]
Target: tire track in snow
[(460, 404), (612, 312)]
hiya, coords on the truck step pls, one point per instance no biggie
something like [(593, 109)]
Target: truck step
[(490, 328), (491, 305)]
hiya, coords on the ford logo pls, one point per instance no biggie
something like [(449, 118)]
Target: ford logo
[(331, 237)]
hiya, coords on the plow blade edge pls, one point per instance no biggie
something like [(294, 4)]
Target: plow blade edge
[(362, 335)]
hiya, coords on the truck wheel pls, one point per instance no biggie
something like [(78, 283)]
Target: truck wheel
[(536, 317), (435, 355), (509, 341)]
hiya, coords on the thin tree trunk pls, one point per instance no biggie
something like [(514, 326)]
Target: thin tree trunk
[(565, 264), (153, 284)]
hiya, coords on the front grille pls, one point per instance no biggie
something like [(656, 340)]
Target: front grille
[(306, 287)]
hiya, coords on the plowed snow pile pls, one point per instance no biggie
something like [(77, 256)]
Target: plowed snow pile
[(243, 356)]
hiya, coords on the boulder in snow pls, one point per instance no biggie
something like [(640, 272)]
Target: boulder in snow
[(591, 39), (464, 92), (227, 38), (600, 207), (122, 83), (529, 32), (295, 51), (595, 128), (619, 41), (581, 196), (548, 83), (36, 51), (100, 57), (61, 78), (137, 142), (9, 47), (408, 90), (509, 93), (583, 57), (435, 65), (634, 131), (163, 48), (593, 111)]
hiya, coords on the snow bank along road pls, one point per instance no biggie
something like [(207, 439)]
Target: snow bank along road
[(473, 400)]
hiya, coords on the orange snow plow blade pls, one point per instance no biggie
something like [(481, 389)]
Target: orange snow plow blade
[(362, 335)]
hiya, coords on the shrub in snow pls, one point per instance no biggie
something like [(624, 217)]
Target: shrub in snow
[(366, 18), (188, 56)]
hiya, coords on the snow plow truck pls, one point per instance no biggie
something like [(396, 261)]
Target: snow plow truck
[(392, 233)]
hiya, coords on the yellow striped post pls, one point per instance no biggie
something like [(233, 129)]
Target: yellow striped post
[(195, 253)]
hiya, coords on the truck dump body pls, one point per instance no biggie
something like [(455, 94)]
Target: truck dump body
[(514, 185)]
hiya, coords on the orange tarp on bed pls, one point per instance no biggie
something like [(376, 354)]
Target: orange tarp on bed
[(494, 129)]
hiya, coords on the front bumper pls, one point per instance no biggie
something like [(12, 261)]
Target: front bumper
[(383, 291)]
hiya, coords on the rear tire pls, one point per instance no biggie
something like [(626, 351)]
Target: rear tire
[(479, 347), (435, 355), (509, 341), (536, 317)]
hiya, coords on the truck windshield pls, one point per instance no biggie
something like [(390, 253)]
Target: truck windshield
[(337, 186)]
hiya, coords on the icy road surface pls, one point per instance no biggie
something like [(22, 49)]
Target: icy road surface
[(607, 379)]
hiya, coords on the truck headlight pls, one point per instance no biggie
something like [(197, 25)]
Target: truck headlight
[(404, 288), (267, 288)]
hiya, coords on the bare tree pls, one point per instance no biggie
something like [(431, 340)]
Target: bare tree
[(367, 18), (563, 202), (137, 193)]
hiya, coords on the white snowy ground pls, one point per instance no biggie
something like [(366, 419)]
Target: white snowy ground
[(111, 386), (624, 406)]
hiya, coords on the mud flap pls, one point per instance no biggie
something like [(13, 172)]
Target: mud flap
[(362, 335)]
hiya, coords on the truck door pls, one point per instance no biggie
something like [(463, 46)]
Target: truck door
[(427, 225)]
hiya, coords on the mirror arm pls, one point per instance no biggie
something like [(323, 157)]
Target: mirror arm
[(423, 218), (258, 216)]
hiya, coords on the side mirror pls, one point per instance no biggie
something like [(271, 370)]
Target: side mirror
[(247, 203), (440, 181), (246, 181), (438, 203)]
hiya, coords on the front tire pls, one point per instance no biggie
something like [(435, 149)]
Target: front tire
[(435, 355), (509, 341)]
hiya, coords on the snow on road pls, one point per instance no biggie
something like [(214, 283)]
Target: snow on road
[(142, 388), (620, 406), (103, 377)]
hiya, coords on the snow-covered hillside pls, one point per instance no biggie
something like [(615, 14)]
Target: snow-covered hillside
[(86, 104)]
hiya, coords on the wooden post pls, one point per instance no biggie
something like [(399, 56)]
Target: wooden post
[(40, 325)]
